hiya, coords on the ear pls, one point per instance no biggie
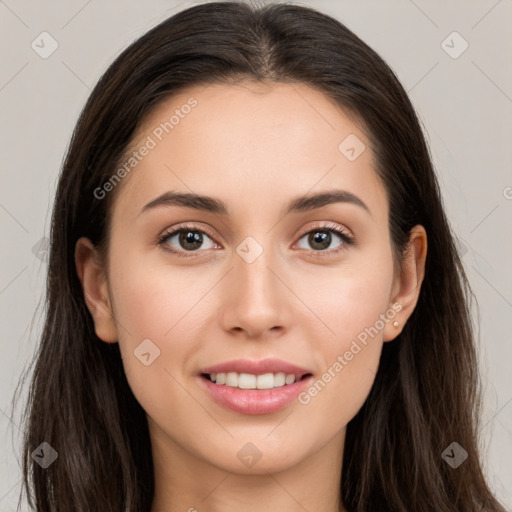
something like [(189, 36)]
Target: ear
[(94, 284), (407, 285)]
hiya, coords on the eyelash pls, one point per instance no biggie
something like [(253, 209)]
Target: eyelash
[(332, 228)]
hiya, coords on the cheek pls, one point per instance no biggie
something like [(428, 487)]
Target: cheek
[(348, 364), (348, 299), (355, 308), (145, 305), (152, 298), (150, 309)]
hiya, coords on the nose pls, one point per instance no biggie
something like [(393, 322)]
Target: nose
[(255, 299)]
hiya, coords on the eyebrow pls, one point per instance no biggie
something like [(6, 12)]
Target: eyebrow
[(215, 206)]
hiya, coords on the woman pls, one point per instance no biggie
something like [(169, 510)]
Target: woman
[(307, 351)]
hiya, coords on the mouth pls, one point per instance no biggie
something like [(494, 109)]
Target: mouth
[(250, 386), (255, 381), (264, 393)]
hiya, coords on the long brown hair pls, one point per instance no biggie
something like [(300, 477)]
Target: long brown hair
[(426, 393)]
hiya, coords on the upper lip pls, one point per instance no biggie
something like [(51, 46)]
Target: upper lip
[(257, 367)]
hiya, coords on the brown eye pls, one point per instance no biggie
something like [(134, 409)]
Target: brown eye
[(190, 240), (321, 238), (186, 239)]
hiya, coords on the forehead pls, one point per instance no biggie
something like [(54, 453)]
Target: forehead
[(249, 144)]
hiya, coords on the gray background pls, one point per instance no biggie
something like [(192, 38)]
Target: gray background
[(465, 104)]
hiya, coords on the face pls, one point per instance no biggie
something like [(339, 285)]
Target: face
[(311, 286)]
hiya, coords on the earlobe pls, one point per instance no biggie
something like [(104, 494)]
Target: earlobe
[(91, 274), (407, 285)]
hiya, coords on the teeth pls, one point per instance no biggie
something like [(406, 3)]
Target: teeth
[(232, 379), (290, 379), (247, 381), (250, 381)]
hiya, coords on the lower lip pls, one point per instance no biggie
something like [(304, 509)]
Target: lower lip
[(255, 401)]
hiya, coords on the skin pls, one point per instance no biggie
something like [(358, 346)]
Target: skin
[(255, 147)]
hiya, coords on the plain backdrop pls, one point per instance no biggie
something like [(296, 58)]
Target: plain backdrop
[(454, 59)]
